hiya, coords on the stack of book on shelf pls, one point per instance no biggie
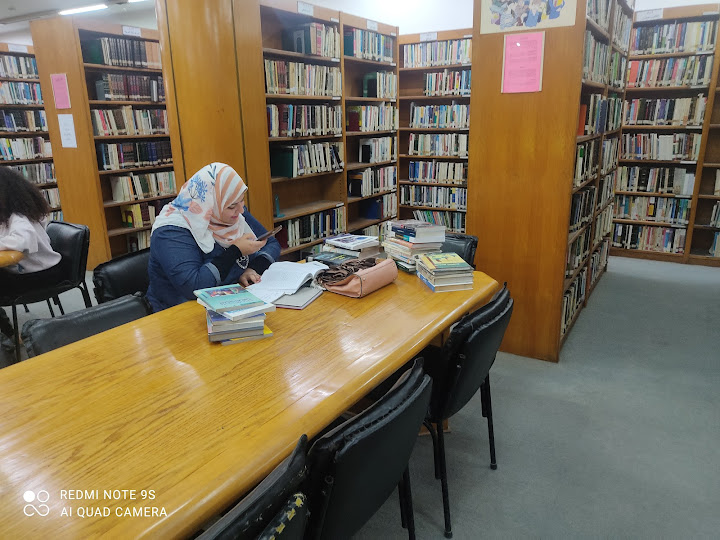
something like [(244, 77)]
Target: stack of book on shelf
[(407, 239), (443, 272), (234, 314), (346, 247)]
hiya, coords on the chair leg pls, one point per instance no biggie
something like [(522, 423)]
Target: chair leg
[(443, 481), (407, 496), (485, 395), (56, 299), (27, 309), (436, 457), (52, 313), (401, 496), (86, 295), (17, 333)]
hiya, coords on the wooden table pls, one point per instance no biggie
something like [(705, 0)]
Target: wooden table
[(151, 405), (9, 257)]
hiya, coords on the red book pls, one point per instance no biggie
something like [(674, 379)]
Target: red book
[(581, 120)]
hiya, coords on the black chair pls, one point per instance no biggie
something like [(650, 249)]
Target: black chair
[(458, 369), (122, 275), (256, 514), (464, 245), (72, 242), (43, 335), (355, 467), (290, 522)]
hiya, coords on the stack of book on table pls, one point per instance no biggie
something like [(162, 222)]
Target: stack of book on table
[(408, 239), (234, 314), (346, 247), (444, 272)]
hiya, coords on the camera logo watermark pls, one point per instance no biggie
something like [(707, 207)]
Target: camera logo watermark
[(30, 509)]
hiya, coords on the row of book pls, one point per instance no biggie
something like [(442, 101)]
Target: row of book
[(381, 117), (25, 148), (452, 172), (368, 45), (305, 229), (677, 180), (599, 114), (598, 261), (55, 215), (610, 154), (586, 161), (678, 146), (313, 38), (617, 70), (573, 299), (438, 144), (673, 37), (20, 93), (448, 83), (18, 67), (438, 53), (599, 11), (663, 72), (301, 79), (582, 208), (137, 241), (622, 28), (128, 121), (605, 189), (595, 59), (715, 215), (141, 214), (649, 238), (37, 173), (309, 158), (380, 84), (28, 120), (715, 246), (454, 198), (385, 206), (454, 115), (716, 188), (660, 209), (134, 187), (52, 196), (290, 120), (603, 225), (452, 221), (377, 149), (578, 251), (114, 156), (120, 87), (370, 181), (688, 111), (121, 52)]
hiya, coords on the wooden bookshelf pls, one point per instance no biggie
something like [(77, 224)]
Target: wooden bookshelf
[(43, 166)]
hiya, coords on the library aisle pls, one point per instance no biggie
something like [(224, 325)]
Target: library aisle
[(619, 440)]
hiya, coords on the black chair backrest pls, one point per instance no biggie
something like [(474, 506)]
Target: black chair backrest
[(464, 245), (469, 354), (122, 275), (355, 467), (255, 511), (43, 335), (290, 522), (72, 241)]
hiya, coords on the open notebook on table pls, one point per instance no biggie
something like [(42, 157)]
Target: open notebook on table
[(285, 278)]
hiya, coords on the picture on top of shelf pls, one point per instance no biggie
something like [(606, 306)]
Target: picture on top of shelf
[(516, 15)]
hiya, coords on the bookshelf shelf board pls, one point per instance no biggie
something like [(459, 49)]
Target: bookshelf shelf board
[(655, 56), (280, 53), (616, 89), (296, 97), (594, 85), (369, 63), (618, 49), (650, 223), (303, 138), (612, 132), (609, 171), (433, 129), (647, 194), (433, 208), (369, 133), (639, 89), (21, 106), (706, 260), (597, 245), (585, 183), (24, 161), (103, 67), (714, 126), (644, 254), (414, 156), (352, 199), (306, 209), (585, 138), (277, 179), (360, 99), (706, 227), (23, 133), (127, 230), (711, 165), (362, 223), (303, 246), (709, 197), (447, 97), (16, 79), (44, 185), (118, 103), (441, 184), (661, 161), (124, 137), (662, 128), (576, 273), (603, 207), (55, 209), (436, 68), (111, 204), (575, 235), (596, 29), (357, 165), (137, 169)]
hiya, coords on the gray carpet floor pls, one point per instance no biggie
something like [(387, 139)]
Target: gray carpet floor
[(618, 440)]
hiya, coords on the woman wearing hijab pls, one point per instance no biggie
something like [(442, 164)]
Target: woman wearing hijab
[(205, 238)]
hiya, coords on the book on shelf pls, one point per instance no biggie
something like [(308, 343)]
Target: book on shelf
[(310, 228), (18, 67), (227, 298), (378, 149), (716, 188), (113, 51), (18, 120), (368, 45), (380, 84), (437, 53), (309, 158), (123, 87), (266, 333), (313, 38), (20, 93)]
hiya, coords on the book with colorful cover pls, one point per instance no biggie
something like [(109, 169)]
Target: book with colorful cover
[(238, 314), (415, 231), (227, 298), (444, 262), (265, 334), (353, 241), (444, 288)]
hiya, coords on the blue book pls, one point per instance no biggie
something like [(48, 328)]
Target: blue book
[(227, 298)]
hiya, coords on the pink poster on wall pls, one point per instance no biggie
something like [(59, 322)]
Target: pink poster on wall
[(60, 90), (523, 62)]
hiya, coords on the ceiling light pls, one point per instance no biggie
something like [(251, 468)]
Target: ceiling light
[(85, 9)]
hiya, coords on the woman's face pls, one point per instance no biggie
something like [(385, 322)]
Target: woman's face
[(231, 212)]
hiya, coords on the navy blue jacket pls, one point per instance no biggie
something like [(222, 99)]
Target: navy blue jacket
[(178, 266)]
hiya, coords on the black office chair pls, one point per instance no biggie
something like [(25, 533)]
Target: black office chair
[(72, 242), (464, 245), (256, 514), (355, 467), (43, 335), (122, 275), (290, 521), (458, 369)]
